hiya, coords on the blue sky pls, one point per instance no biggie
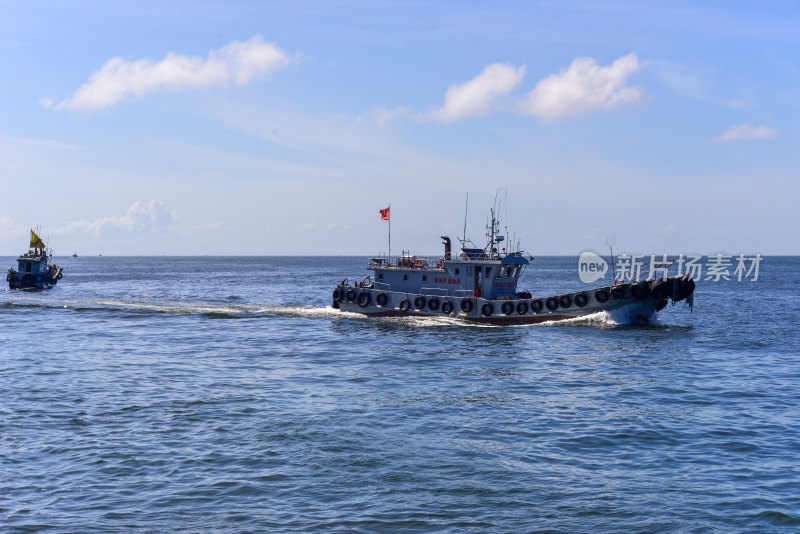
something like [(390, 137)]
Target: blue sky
[(283, 127)]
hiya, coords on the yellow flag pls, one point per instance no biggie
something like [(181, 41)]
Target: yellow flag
[(36, 241)]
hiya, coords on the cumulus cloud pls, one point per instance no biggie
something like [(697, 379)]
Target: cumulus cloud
[(141, 217), (584, 86), (746, 132), (480, 95), (237, 63)]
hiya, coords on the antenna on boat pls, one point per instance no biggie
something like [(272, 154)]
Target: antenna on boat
[(493, 238), (611, 241), (466, 208)]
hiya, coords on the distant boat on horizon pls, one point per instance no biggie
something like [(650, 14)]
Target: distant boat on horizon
[(74, 254)]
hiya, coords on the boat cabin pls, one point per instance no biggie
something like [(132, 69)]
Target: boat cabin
[(34, 262), (475, 272)]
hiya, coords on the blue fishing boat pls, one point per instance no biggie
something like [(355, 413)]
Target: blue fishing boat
[(480, 285), (33, 271)]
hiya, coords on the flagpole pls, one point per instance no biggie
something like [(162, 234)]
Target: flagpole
[(390, 233)]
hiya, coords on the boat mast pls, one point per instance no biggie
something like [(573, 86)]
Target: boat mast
[(495, 223), (506, 227)]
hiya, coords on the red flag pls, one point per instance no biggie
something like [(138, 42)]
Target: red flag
[(385, 214)]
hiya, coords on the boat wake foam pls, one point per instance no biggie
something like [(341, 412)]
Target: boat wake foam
[(628, 315), (211, 310)]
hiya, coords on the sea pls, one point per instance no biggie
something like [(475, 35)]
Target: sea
[(225, 394)]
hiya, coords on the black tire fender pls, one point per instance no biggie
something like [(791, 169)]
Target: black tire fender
[(487, 309), (382, 299), (507, 307), (551, 303), (581, 300), (537, 305), (522, 307)]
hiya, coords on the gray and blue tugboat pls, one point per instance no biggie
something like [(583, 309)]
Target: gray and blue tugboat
[(33, 271), (480, 285)]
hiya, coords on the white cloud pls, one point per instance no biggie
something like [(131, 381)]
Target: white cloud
[(584, 86), (592, 235), (746, 132), (118, 79), (215, 227), (10, 226), (306, 228), (45, 143), (152, 217), (382, 116), (480, 95)]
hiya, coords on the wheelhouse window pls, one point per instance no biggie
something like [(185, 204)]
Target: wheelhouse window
[(510, 271)]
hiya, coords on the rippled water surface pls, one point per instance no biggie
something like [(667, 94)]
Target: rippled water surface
[(224, 394)]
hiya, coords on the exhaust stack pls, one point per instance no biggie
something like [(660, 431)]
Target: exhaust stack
[(446, 244)]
